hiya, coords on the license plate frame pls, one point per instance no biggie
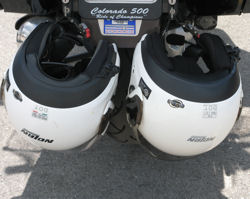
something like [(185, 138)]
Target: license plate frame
[(119, 27)]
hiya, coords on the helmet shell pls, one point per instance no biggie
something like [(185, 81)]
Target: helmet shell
[(177, 126), (57, 128)]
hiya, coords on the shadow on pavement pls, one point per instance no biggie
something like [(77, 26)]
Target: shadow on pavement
[(112, 170)]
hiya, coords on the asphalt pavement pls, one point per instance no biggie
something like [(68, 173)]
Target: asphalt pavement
[(111, 170)]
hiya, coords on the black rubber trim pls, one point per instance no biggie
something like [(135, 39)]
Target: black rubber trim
[(203, 88), (59, 94)]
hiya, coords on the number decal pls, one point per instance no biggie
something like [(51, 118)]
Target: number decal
[(139, 11)]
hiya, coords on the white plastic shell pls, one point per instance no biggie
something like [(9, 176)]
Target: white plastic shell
[(54, 128), (189, 131)]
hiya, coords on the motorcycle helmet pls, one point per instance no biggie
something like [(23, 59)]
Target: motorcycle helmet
[(58, 91), (175, 108)]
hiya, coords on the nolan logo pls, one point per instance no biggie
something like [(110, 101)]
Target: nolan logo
[(200, 139), (36, 137)]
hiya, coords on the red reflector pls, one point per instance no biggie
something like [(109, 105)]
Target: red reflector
[(88, 34)]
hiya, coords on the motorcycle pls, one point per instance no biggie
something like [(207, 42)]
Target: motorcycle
[(130, 69)]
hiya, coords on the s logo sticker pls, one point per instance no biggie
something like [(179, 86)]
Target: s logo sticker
[(176, 103)]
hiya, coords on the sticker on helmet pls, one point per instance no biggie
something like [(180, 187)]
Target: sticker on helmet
[(36, 137), (144, 88), (210, 111), (40, 113), (176, 103), (200, 139)]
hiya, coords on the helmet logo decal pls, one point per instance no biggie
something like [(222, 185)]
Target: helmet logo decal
[(210, 111), (40, 113), (36, 137), (176, 103), (200, 139), (146, 91)]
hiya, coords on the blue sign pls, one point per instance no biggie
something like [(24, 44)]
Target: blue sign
[(119, 27)]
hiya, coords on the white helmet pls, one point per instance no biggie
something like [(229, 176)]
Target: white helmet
[(173, 106), (58, 91)]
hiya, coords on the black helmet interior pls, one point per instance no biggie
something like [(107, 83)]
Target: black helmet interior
[(57, 62), (181, 76), (64, 52)]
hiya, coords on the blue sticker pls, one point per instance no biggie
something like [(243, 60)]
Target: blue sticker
[(119, 27)]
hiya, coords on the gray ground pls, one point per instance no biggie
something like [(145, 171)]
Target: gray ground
[(111, 170)]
